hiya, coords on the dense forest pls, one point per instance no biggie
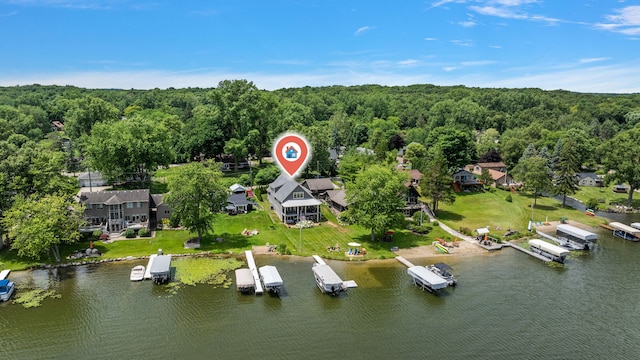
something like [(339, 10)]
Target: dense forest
[(127, 134)]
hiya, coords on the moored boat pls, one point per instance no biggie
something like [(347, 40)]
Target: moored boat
[(137, 273), (444, 271), (327, 280), (426, 279), (7, 288)]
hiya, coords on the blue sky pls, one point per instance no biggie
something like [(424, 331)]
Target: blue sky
[(578, 45)]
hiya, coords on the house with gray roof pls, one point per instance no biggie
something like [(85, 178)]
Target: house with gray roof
[(89, 179), (336, 199), (318, 186), (589, 179), (116, 211), (291, 201)]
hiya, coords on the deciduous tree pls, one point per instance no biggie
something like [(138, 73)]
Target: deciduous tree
[(39, 225), (622, 154), (196, 195), (375, 198)]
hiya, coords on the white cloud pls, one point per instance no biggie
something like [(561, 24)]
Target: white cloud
[(468, 23), (625, 21), (409, 62), (592, 60), (463, 42), (362, 30), (430, 39), (477, 63)]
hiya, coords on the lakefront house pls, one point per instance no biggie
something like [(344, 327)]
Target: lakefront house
[(292, 202)]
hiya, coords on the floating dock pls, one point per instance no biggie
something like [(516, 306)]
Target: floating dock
[(147, 271), (4, 274), (254, 271)]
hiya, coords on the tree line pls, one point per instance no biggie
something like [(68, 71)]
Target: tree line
[(542, 136)]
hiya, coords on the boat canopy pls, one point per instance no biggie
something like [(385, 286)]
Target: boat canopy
[(427, 277), (628, 229), (635, 225), (244, 278), (270, 276), (161, 265), (327, 275), (549, 248), (577, 232)]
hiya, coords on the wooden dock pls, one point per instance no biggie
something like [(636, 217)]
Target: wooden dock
[(254, 271), (404, 261), (347, 283), (535, 255)]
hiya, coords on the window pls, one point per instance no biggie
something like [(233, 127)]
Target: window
[(98, 206), (139, 204), (298, 195), (129, 205), (89, 206)]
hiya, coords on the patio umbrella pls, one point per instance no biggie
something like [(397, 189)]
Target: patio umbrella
[(354, 244)]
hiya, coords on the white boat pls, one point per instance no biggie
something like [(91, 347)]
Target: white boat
[(443, 270), (426, 279), (271, 278), (327, 280), (6, 289), (548, 250), (137, 273)]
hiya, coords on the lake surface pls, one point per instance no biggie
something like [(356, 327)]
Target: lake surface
[(508, 305)]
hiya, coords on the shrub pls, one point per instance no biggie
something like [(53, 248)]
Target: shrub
[(422, 229), (144, 232), (96, 234), (282, 249), (435, 223), (508, 198), (130, 233), (592, 203), (466, 231), (244, 180), (174, 221)]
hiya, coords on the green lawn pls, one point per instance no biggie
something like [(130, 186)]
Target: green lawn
[(476, 210), (604, 195)]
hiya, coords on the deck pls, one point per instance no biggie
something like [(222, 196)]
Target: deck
[(254, 271)]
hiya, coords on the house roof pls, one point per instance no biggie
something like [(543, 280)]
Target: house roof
[(338, 196), (238, 199), (303, 202), (157, 200), (283, 186), (584, 175), (496, 175), (237, 188), (491, 165), (318, 184), (415, 174), (114, 197)]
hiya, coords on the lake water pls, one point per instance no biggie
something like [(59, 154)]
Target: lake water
[(507, 306)]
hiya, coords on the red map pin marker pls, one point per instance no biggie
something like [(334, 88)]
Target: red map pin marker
[(292, 153)]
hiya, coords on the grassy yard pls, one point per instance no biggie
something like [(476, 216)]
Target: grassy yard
[(605, 196), (476, 210), (229, 230)]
